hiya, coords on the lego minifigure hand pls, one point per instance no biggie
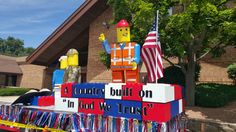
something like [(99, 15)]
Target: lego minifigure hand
[(134, 64), (101, 37)]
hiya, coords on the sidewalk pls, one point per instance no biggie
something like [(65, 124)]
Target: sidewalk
[(8, 99), (224, 114), (212, 119)]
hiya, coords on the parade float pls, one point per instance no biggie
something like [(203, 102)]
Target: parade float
[(125, 104)]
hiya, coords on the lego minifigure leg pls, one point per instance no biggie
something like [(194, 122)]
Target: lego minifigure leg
[(118, 76), (132, 75)]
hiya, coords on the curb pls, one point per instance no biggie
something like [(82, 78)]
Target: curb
[(209, 125)]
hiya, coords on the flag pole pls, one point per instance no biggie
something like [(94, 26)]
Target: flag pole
[(157, 40)]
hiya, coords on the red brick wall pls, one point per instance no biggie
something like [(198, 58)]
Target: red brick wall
[(32, 76), (215, 70), (47, 75), (96, 71)]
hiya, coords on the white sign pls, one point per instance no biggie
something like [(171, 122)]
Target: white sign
[(65, 104), (161, 93), (180, 105), (113, 91)]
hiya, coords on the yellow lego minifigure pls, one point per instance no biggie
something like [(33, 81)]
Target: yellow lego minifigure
[(73, 71), (72, 57), (123, 32), (63, 62), (125, 55)]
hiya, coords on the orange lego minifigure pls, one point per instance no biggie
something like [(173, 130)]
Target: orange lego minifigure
[(125, 55)]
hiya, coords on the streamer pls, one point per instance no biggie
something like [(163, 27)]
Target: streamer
[(95, 127), (114, 124), (100, 123), (91, 122), (75, 123), (86, 122), (118, 124)]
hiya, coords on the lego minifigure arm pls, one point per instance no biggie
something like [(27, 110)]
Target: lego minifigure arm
[(106, 46), (137, 53), (105, 43)]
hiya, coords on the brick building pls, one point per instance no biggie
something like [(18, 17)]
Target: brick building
[(14, 71), (81, 31)]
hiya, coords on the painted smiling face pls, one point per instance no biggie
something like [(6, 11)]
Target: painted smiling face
[(123, 31)]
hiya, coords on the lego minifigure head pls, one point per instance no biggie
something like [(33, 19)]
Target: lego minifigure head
[(63, 62), (123, 31), (72, 57)]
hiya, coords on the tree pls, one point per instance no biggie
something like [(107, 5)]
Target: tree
[(28, 50), (200, 27), (14, 47)]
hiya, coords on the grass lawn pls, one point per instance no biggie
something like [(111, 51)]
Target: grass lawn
[(13, 91)]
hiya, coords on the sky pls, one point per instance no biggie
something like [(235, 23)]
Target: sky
[(34, 20)]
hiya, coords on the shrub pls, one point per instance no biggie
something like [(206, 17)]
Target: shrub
[(174, 75), (231, 70), (13, 91), (214, 95), (105, 59)]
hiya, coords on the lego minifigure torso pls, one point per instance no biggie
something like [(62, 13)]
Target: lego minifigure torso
[(122, 55)]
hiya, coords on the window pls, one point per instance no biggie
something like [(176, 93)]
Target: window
[(7, 80), (2, 80)]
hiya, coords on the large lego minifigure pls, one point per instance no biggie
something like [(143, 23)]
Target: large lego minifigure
[(125, 55), (58, 74), (73, 70)]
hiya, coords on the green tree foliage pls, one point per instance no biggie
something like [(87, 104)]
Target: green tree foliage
[(231, 70), (14, 47), (199, 27), (28, 50), (105, 59)]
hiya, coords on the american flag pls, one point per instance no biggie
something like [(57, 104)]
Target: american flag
[(151, 53)]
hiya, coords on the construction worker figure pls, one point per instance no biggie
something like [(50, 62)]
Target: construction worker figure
[(125, 55)]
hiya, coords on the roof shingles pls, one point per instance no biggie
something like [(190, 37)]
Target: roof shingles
[(9, 65)]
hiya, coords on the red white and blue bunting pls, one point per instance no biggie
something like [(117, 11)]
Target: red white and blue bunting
[(80, 122)]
